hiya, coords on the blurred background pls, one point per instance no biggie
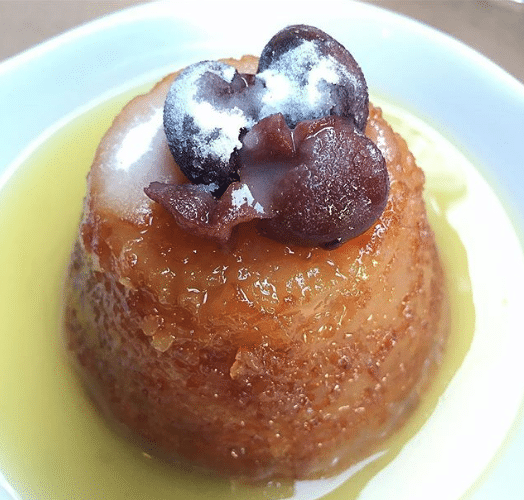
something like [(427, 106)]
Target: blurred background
[(494, 28)]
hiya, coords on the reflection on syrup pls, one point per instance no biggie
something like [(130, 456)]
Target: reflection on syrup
[(65, 450)]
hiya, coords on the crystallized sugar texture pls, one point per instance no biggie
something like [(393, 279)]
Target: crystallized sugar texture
[(210, 106), (299, 84), (192, 107)]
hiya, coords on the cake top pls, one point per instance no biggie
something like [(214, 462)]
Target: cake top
[(284, 146)]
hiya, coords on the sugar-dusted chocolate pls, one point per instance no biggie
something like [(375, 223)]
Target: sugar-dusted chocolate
[(289, 135)]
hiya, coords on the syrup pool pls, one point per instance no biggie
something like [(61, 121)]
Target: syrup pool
[(53, 442)]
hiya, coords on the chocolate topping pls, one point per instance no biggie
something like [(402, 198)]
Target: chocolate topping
[(325, 77), (197, 211), (335, 186), (285, 146), (205, 111)]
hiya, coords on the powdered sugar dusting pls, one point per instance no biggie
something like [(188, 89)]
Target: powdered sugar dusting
[(137, 141), (298, 84), (243, 196), (214, 142), (211, 106), (200, 124)]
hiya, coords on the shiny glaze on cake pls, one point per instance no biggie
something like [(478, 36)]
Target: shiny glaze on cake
[(256, 358)]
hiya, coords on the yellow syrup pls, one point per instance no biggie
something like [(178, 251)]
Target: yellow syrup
[(53, 442)]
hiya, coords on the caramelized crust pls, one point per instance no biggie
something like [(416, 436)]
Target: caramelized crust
[(257, 359)]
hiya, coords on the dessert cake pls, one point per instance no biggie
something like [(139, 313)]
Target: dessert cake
[(255, 286)]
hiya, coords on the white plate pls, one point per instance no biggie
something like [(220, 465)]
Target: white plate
[(472, 102)]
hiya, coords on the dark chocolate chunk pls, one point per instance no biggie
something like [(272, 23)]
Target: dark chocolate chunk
[(200, 213), (332, 188), (206, 110), (321, 76)]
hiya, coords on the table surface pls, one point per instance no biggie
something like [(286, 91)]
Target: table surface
[(494, 28)]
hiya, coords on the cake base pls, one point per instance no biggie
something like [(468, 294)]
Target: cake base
[(259, 359)]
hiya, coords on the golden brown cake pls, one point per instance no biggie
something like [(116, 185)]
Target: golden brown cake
[(255, 357)]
